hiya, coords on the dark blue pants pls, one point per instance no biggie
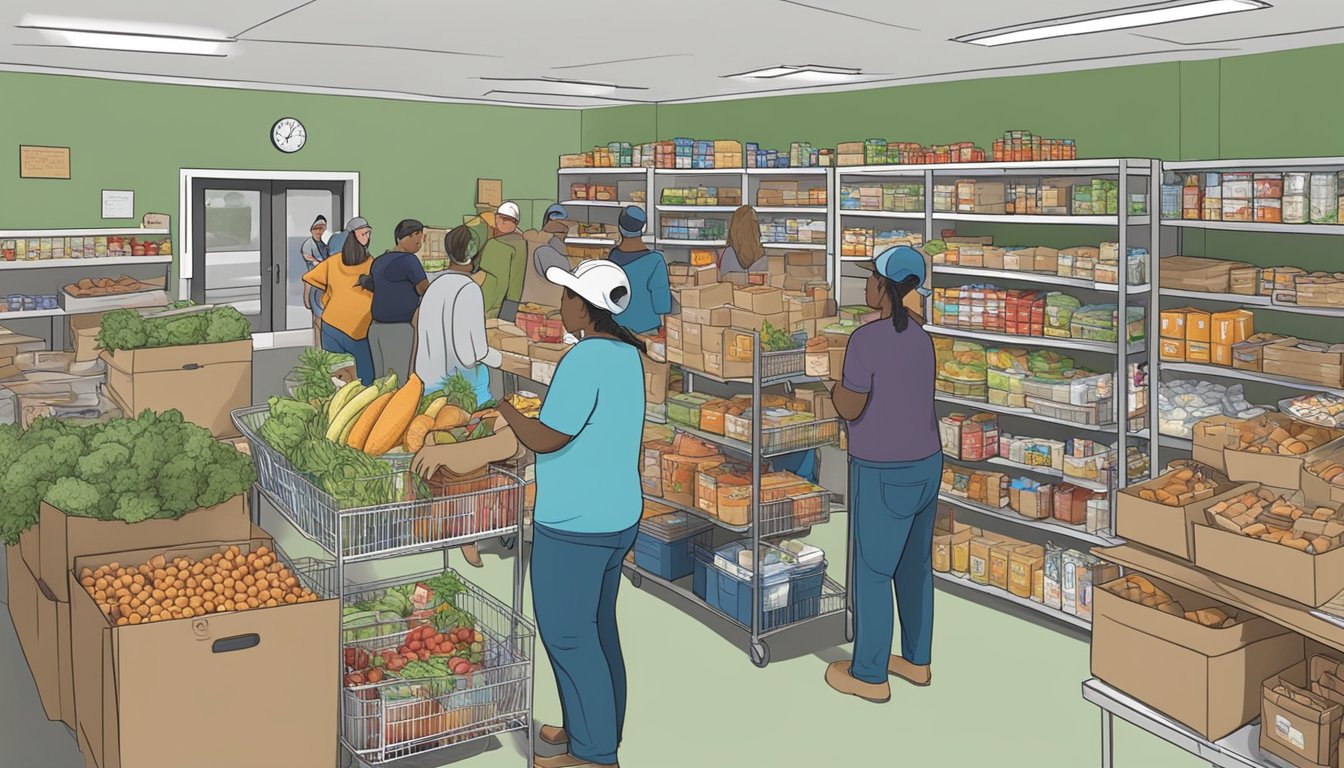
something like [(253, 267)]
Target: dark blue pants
[(892, 513), (802, 463), (337, 341), (574, 582)]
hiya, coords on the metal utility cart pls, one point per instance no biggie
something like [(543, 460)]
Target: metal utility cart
[(769, 519), (385, 722)]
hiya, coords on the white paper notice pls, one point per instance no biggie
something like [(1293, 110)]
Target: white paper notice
[(118, 204)]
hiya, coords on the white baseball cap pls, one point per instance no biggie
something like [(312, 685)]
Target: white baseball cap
[(509, 209), (601, 283)]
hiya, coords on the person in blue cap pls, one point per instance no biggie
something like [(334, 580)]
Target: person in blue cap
[(886, 395), (646, 269)]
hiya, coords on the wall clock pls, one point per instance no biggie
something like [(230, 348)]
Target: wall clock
[(288, 135)]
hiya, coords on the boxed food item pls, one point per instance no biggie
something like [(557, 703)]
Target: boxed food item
[(978, 557), (1323, 476), (1298, 725), (946, 543), (1275, 541), (1161, 512), (680, 474), (216, 660), (1147, 634), (1193, 273), (206, 382), (1031, 499), (970, 438), (1268, 448), (1249, 355), (1024, 566), (1313, 361)]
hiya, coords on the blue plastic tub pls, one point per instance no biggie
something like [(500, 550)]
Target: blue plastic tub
[(805, 588), (670, 560)]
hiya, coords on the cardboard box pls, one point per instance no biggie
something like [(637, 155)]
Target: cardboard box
[(1207, 679), (692, 338), (1172, 324), (722, 366), (1228, 328), (206, 382), (837, 355), (1312, 580), (749, 320), (1169, 529), (656, 376), (517, 345), (1197, 324), (759, 299), (1298, 725), (518, 365), (34, 616), (217, 664), (1198, 352), (1210, 437), (65, 538), (1221, 354), (1173, 350), (719, 317), (707, 296)]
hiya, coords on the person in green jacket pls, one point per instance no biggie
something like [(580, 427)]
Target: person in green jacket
[(503, 260)]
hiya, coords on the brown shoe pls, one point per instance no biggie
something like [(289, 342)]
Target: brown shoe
[(553, 735), (472, 555), (911, 673), (839, 678), (566, 761)]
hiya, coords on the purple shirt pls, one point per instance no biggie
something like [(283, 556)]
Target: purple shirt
[(896, 371)]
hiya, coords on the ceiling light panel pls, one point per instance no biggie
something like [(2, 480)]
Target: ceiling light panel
[(1128, 18), (814, 72), (147, 37)]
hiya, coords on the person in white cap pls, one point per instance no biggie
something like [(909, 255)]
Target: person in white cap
[(503, 262), (589, 502)]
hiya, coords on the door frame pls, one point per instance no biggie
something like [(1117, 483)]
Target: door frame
[(183, 258)]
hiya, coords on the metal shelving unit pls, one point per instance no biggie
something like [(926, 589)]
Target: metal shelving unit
[(499, 697), (1075, 532), (1021, 602), (768, 519), (1172, 243)]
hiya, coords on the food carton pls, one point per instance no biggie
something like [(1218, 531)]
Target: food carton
[(216, 662), (1298, 725), (206, 382), (707, 296), (43, 639), (1165, 521), (1141, 649)]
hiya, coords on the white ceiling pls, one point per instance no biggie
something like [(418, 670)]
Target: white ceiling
[(679, 51)]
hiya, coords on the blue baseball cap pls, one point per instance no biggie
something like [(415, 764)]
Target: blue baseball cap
[(897, 263), (556, 212), (632, 221)]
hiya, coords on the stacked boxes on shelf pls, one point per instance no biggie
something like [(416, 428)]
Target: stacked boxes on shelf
[(1270, 197), (1099, 264), (883, 152), (865, 242), (1024, 146), (986, 308), (804, 231), (88, 247), (701, 196), (683, 228), (893, 198)]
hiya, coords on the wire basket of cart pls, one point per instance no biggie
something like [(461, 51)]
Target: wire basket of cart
[(438, 678)]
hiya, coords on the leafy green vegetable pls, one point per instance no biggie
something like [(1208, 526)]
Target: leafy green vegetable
[(775, 339), (446, 586), (314, 373), (461, 393), (124, 329), (151, 466)]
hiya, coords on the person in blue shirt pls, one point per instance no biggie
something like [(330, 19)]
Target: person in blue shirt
[(397, 280), (589, 502), (650, 290)]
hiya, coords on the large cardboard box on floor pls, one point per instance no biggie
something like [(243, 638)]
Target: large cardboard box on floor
[(203, 381), (34, 618), (1206, 678), (228, 689), (1165, 527), (65, 537)]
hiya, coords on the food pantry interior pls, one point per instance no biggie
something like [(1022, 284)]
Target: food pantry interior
[(232, 506)]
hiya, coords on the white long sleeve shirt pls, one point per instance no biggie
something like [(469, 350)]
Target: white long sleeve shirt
[(451, 329)]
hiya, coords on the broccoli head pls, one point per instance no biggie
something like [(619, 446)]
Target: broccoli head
[(135, 507), (226, 324), (184, 329), (180, 484), (73, 497), (100, 465), (122, 329), (229, 474)]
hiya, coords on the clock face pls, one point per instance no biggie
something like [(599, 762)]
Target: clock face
[(288, 135)]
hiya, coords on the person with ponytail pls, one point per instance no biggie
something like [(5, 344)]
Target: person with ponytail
[(346, 303), (895, 468), (589, 502)]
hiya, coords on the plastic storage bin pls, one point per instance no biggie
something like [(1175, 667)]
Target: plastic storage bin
[(805, 587), (730, 593), (664, 546)]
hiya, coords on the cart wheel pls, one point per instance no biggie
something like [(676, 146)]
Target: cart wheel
[(760, 654), (636, 580), (849, 625)]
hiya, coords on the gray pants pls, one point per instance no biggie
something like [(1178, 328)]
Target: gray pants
[(390, 344)]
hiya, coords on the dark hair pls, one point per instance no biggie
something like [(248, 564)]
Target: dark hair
[(900, 315), (406, 228), (353, 252), (605, 322), (457, 242)]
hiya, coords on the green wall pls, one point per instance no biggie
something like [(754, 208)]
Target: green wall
[(415, 159)]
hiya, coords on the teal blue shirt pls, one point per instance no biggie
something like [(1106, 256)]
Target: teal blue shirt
[(650, 289), (597, 397)]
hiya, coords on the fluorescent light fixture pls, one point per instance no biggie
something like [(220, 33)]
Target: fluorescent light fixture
[(1137, 16), (563, 87), (123, 36), (804, 72)]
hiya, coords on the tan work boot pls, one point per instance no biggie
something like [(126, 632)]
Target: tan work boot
[(911, 673), (553, 735), (472, 555), (838, 677), (566, 761)]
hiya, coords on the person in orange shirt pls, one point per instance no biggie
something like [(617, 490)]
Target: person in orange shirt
[(347, 307)]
